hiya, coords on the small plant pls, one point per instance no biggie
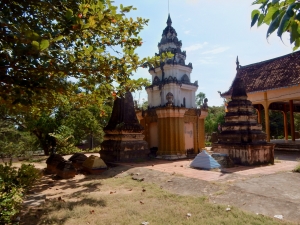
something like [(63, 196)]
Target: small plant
[(297, 169), (13, 184), (208, 144)]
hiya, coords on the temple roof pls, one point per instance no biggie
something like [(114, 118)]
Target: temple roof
[(274, 73), (169, 27)]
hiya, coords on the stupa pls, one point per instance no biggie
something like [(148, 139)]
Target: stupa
[(174, 126), (242, 137), (123, 140)]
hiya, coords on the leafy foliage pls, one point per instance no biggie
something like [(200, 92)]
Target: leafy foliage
[(47, 45), (215, 116), (14, 142), (64, 141), (13, 184), (81, 113), (280, 15), (200, 99)]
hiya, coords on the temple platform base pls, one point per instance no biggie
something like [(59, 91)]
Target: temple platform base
[(124, 151), (247, 154)]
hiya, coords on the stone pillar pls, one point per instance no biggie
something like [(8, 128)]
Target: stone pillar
[(285, 123), (201, 129), (292, 119)]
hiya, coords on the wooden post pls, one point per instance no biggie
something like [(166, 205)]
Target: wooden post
[(267, 120), (259, 114), (285, 123), (292, 120)]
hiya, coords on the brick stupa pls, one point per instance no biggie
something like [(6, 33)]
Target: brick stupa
[(242, 137), (123, 140)]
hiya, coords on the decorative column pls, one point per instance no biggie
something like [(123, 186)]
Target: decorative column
[(170, 132), (292, 119), (201, 129)]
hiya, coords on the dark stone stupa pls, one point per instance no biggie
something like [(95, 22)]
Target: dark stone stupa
[(123, 140), (242, 137)]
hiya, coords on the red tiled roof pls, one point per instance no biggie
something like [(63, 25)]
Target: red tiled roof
[(274, 73)]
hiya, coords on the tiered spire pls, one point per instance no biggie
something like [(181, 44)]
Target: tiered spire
[(170, 43), (169, 21)]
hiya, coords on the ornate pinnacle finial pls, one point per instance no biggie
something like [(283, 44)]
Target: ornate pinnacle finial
[(169, 21), (237, 63)]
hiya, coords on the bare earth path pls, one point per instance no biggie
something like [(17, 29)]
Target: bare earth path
[(268, 190)]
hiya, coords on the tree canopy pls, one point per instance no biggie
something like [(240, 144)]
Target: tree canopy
[(200, 99), (52, 47), (280, 15)]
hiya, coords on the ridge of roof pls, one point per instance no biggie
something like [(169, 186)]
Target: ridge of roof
[(270, 60), (275, 73)]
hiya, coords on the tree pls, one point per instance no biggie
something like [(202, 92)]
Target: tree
[(199, 99), (216, 115), (280, 15), (81, 116), (54, 47)]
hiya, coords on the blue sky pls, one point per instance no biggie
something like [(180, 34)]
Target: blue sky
[(213, 32)]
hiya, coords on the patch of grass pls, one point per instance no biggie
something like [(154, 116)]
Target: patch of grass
[(297, 169), (126, 201)]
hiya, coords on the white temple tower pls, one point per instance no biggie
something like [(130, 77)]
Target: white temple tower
[(173, 125)]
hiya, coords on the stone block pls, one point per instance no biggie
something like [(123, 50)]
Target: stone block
[(66, 170), (52, 162)]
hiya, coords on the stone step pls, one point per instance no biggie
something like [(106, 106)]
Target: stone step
[(287, 149)]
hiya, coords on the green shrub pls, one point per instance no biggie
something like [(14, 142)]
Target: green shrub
[(64, 141), (13, 184), (10, 201), (207, 144), (297, 169)]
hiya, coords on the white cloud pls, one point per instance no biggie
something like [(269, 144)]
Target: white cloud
[(216, 50), (206, 60), (195, 47), (187, 31)]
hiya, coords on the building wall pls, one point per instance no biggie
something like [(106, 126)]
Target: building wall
[(189, 135), (153, 128), (171, 136)]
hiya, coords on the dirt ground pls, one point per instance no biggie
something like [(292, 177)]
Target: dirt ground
[(270, 195)]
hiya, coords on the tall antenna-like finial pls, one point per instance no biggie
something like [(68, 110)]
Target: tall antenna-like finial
[(168, 6), (237, 63)]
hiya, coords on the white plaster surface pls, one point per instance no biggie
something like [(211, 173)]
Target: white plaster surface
[(188, 135)]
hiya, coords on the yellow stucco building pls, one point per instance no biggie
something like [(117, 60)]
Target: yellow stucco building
[(272, 85)]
